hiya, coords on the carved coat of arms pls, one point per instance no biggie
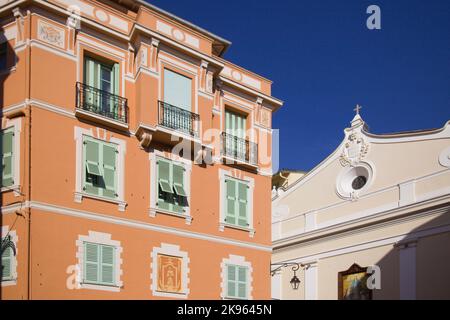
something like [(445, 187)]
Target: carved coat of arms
[(355, 150)]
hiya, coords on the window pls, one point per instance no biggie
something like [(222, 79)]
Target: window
[(3, 55), (237, 281), (172, 195), (99, 264), (177, 90), (100, 168), (237, 204), (104, 77), (7, 154), (235, 124), (7, 260)]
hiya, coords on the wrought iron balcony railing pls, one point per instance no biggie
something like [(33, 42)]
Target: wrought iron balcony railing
[(239, 149), (178, 119), (102, 103)]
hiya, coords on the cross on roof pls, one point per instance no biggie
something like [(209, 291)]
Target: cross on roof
[(358, 107)]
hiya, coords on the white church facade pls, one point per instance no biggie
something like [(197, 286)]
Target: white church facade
[(372, 221)]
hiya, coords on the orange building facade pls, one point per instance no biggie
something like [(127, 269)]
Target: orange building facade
[(136, 160)]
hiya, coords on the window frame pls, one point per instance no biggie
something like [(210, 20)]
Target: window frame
[(79, 194), (100, 239), (100, 165), (100, 264), (241, 262), (226, 175), (12, 280), (154, 156), (172, 184)]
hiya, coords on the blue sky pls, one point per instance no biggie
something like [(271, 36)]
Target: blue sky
[(323, 61)]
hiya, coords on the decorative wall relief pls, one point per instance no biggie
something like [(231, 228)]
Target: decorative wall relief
[(355, 150), (169, 273), (51, 34)]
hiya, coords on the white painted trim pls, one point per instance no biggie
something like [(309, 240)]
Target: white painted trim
[(277, 286), (407, 270), (15, 239), (47, 47), (105, 239), (223, 174), (369, 245), (443, 133), (170, 250), (311, 281), (95, 216), (79, 194), (103, 46), (237, 261), (374, 211), (251, 91)]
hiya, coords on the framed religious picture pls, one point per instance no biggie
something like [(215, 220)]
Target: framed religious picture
[(169, 273), (352, 284)]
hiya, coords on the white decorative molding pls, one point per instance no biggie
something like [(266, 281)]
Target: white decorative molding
[(407, 271), (223, 174), (96, 13), (174, 251), (344, 181), (8, 34), (108, 218), (407, 193), (444, 158), (238, 76), (121, 148), (104, 239), (277, 286), (177, 34), (5, 231), (311, 279), (236, 261), (51, 34)]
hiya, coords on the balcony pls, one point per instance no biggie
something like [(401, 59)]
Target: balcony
[(178, 119), (238, 150), (98, 105)]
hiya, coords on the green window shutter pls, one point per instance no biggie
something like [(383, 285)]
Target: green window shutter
[(178, 180), (116, 79), (178, 187), (91, 262), (7, 153), (231, 201), (165, 192), (164, 176), (231, 280), (107, 264), (242, 282), (110, 170), (6, 270), (92, 72), (243, 204), (93, 172)]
